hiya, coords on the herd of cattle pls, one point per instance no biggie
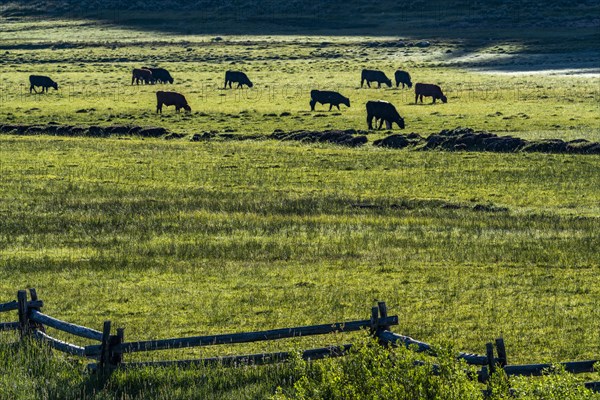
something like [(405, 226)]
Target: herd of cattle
[(378, 110)]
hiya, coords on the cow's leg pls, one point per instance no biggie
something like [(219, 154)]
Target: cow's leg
[(378, 85), (370, 121), (330, 106), (225, 87), (159, 107), (416, 98), (433, 100), (388, 125), (368, 84), (338, 106), (380, 123)]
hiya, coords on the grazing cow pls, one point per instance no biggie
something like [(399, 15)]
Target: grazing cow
[(373, 75), (43, 81), (237, 76), (171, 99), (402, 77), (142, 74), (383, 111), (160, 75), (428, 90), (327, 97)]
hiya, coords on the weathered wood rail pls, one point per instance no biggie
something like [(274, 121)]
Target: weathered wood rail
[(197, 341), (111, 348)]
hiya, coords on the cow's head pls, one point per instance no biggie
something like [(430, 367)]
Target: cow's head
[(388, 82), (409, 84), (346, 102), (443, 98), (250, 84), (55, 85), (187, 108), (171, 80), (400, 122)]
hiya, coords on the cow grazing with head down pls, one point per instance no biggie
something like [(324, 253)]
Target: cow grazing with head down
[(327, 97), (383, 111), (142, 74), (171, 99), (373, 75), (237, 76), (429, 90), (43, 81), (160, 75), (402, 77)]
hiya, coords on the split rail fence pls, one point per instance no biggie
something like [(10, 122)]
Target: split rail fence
[(108, 354)]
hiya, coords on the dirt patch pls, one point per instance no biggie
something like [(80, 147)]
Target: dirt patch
[(90, 131), (418, 204), (348, 137), (466, 139)]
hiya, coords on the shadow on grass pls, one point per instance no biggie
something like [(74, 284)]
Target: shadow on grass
[(544, 31)]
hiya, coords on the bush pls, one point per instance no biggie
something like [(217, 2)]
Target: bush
[(374, 372)]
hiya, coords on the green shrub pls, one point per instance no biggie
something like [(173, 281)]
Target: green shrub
[(374, 372)]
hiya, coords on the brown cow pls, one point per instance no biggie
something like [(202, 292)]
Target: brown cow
[(171, 99), (429, 90), (142, 74)]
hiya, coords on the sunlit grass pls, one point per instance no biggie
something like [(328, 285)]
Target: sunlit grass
[(181, 238)]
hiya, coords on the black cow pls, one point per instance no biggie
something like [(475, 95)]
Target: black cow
[(144, 75), (402, 77), (171, 99), (383, 111), (237, 76), (161, 75), (429, 90), (373, 75), (327, 97), (43, 81)]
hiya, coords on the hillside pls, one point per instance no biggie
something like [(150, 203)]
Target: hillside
[(435, 18)]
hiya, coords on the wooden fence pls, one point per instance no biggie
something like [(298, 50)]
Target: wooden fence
[(108, 354)]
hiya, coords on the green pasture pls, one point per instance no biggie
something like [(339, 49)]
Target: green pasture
[(216, 237), (180, 238), (94, 78)]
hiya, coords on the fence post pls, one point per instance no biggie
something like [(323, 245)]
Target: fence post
[(116, 358), (501, 349), (489, 350), (105, 349), (383, 314), (374, 320), (23, 313), (34, 297)]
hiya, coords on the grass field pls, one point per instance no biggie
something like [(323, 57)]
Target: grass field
[(178, 238)]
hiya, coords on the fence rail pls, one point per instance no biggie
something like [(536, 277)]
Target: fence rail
[(250, 359), (73, 329), (234, 338), (109, 353), (60, 345)]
